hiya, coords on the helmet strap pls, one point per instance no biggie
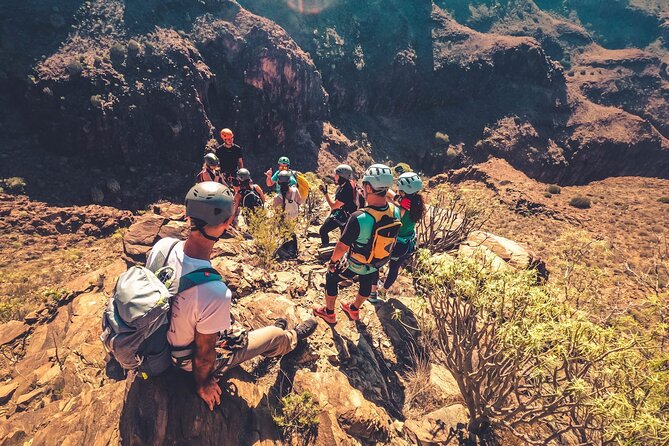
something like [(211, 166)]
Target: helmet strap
[(207, 236)]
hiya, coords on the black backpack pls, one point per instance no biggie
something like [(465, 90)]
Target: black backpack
[(250, 198)]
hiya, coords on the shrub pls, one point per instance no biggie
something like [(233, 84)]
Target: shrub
[(74, 68), (97, 101), (664, 200), (526, 361), (117, 52), (554, 189), (16, 185), (134, 47), (449, 219), (548, 195), (580, 202), (442, 138), (269, 230), (298, 417)]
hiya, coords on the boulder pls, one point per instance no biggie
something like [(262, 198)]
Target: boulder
[(12, 330), (436, 428), (145, 230)]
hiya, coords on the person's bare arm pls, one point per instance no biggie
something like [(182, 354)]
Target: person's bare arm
[(268, 178), (260, 193), (240, 163), (203, 367)]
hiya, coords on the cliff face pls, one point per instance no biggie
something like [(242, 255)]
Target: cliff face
[(138, 89)]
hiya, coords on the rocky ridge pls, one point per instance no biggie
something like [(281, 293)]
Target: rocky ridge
[(140, 90)]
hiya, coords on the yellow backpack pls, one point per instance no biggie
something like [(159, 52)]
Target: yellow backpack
[(386, 226), (302, 184)]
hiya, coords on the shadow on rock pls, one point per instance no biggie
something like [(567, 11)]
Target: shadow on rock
[(166, 410)]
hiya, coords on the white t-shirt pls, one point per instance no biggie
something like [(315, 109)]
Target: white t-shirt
[(205, 307), (293, 202)]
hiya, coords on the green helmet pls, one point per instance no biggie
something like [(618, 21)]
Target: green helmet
[(211, 159), (284, 177), (409, 183), (243, 174), (379, 177), (284, 160), (344, 171), (211, 202)]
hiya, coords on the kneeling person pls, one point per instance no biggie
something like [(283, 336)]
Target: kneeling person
[(200, 333)]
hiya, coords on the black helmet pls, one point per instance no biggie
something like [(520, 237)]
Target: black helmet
[(211, 159), (210, 202), (284, 177), (344, 171), (243, 174)]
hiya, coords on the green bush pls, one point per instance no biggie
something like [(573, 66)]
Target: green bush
[(580, 202), (97, 101), (134, 47), (75, 68), (298, 417), (117, 52), (15, 185), (530, 364), (442, 138), (664, 200), (554, 189), (269, 230), (548, 195)]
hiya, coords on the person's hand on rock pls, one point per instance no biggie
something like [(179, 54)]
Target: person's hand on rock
[(210, 392)]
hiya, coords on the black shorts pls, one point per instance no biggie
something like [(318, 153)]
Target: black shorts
[(366, 281)]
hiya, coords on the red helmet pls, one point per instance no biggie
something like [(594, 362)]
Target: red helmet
[(226, 134)]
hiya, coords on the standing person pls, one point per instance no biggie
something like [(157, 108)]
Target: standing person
[(288, 199), (367, 239), (344, 204), (284, 165), (412, 209), (247, 194), (200, 324), (210, 170), (230, 156)]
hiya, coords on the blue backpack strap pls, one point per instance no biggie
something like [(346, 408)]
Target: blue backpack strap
[(198, 277)]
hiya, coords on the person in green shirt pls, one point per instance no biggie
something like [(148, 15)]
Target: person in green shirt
[(412, 208)]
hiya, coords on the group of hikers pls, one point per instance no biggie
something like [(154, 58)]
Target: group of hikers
[(376, 216)]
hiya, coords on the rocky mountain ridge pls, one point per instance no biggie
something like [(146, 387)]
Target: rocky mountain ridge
[(138, 90)]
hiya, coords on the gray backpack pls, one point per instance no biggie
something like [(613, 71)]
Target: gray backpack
[(137, 317)]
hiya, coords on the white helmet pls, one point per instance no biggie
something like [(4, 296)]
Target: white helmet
[(409, 183), (379, 176)]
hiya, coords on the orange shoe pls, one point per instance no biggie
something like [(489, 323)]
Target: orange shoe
[(354, 315), (329, 318)]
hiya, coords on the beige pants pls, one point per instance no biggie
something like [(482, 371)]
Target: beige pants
[(267, 341)]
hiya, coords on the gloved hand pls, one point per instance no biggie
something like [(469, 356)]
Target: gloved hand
[(324, 189)]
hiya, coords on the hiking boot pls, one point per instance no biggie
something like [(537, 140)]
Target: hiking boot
[(354, 315), (281, 323), (329, 318), (306, 329)]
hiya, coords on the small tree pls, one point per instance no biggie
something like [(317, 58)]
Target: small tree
[(298, 418), (527, 362), (269, 230), (449, 219)]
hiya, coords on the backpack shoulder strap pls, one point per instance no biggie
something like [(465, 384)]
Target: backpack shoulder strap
[(169, 251), (198, 277)]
